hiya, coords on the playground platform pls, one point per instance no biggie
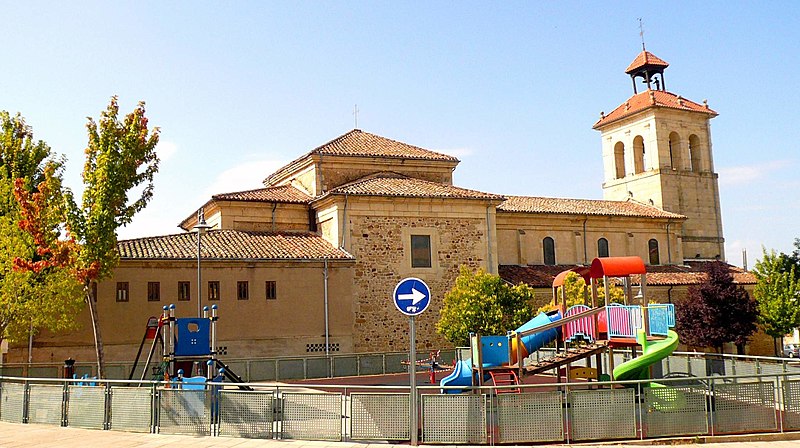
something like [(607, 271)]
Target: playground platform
[(19, 435)]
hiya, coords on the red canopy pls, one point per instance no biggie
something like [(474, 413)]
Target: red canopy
[(616, 267)]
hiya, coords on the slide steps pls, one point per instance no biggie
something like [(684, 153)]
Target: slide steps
[(564, 358)]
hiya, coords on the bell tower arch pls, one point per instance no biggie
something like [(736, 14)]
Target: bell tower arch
[(657, 150)]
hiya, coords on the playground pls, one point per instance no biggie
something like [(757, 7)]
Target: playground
[(588, 372)]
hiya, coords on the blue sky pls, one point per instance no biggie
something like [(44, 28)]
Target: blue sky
[(511, 89)]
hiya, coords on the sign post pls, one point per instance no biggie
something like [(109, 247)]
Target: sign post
[(411, 297)]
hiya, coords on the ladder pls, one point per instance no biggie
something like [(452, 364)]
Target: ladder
[(505, 378)]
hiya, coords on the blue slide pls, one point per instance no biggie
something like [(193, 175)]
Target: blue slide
[(462, 373)]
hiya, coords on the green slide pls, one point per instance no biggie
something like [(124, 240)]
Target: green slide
[(652, 352)]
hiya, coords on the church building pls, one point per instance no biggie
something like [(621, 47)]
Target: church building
[(307, 263)]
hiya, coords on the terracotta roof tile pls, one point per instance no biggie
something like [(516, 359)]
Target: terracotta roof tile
[(645, 58), (358, 143), (528, 204), (232, 245), (540, 276), (396, 185), (283, 193), (652, 98)]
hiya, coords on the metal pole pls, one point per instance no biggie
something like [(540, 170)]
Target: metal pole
[(413, 382), (327, 334), (199, 278)]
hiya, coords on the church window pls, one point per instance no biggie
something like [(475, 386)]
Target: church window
[(619, 160), (153, 291), (242, 290), (421, 251), (602, 247), (213, 290), (122, 291), (639, 165), (549, 248), (652, 247), (695, 154), (184, 291), (675, 151)]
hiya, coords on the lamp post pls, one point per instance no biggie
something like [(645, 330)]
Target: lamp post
[(201, 228)]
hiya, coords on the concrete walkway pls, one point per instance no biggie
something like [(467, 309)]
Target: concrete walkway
[(14, 435)]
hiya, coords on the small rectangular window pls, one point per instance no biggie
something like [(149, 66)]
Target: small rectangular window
[(122, 291), (153, 291), (213, 290), (420, 251), (184, 291), (242, 290), (272, 292)]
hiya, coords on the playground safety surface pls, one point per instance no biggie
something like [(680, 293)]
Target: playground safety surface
[(17, 435)]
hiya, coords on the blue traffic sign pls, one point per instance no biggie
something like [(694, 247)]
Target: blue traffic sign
[(411, 296)]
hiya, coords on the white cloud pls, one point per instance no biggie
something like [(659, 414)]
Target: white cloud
[(742, 175), (245, 176), (166, 149)]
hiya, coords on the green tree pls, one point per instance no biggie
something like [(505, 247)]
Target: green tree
[(120, 159), (29, 301), (777, 293), (483, 303)]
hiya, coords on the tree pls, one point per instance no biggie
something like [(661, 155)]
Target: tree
[(28, 301), (483, 303), (716, 311), (777, 293), (120, 157), (574, 285)]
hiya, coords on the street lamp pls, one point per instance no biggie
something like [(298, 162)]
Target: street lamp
[(201, 228)]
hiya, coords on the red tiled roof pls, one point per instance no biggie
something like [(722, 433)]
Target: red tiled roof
[(645, 58), (232, 245), (283, 193), (358, 143), (652, 98), (528, 204), (540, 276), (397, 185)]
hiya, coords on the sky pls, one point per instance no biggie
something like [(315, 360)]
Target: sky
[(510, 88)]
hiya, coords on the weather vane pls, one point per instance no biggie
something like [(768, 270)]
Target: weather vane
[(641, 32)]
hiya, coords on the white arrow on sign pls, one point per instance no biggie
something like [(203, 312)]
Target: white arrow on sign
[(415, 297)]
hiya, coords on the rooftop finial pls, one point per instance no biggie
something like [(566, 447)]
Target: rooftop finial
[(641, 32), (355, 115)]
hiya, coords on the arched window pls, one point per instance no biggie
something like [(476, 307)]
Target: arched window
[(549, 248), (695, 154), (639, 165), (619, 159), (652, 247), (675, 160), (602, 247)]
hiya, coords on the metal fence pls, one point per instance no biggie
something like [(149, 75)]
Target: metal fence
[(588, 411)]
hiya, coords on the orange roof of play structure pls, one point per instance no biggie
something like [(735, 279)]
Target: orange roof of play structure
[(583, 271), (616, 267)]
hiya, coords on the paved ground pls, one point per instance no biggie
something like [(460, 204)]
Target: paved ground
[(14, 435)]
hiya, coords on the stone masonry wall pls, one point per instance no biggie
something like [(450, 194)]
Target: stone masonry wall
[(382, 261)]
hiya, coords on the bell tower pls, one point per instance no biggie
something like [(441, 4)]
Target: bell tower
[(657, 151)]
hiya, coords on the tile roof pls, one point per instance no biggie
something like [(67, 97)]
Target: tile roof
[(283, 193), (397, 185), (540, 276), (528, 204), (232, 245), (358, 143), (645, 58), (652, 98)]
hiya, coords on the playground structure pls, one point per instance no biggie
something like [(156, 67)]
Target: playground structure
[(583, 331), (187, 348)]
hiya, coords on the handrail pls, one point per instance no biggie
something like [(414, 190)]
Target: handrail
[(561, 322)]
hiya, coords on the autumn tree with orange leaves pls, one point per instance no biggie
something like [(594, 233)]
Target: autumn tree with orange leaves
[(120, 159)]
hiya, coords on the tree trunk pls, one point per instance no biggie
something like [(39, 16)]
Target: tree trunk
[(740, 349), (98, 338)]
